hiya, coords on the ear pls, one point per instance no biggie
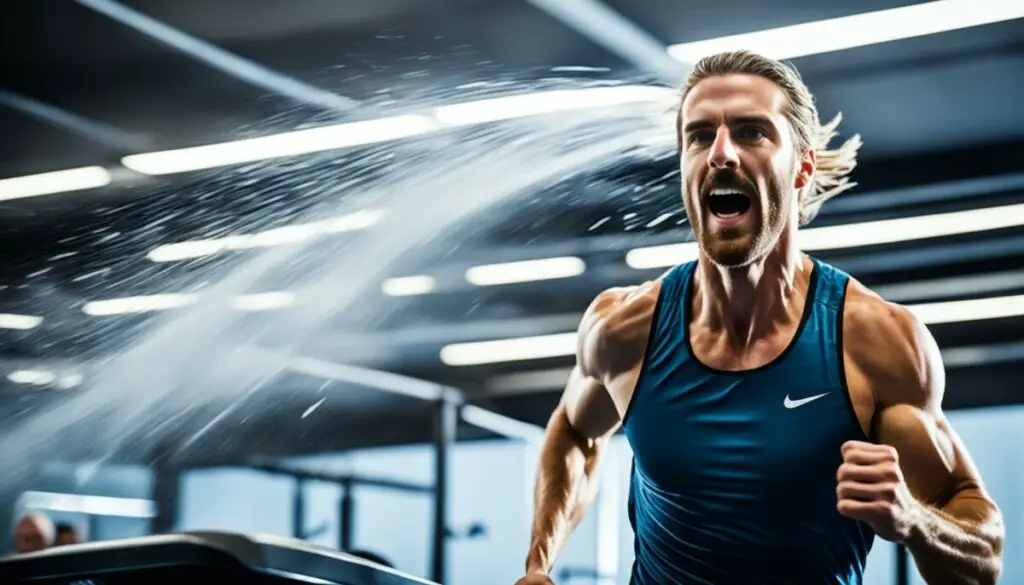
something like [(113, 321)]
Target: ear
[(805, 172)]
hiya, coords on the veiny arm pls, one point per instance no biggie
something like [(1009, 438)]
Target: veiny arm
[(919, 485), (612, 340)]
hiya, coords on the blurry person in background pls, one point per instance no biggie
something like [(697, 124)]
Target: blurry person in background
[(67, 534), (33, 532)]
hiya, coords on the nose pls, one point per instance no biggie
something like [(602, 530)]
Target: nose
[(723, 151)]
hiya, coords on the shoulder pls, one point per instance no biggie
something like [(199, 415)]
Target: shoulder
[(892, 349), (615, 309), (613, 332)]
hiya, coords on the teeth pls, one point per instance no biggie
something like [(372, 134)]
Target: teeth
[(726, 192)]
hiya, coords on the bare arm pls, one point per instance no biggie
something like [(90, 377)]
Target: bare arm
[(567, 476), (612, 340), (937, 504)]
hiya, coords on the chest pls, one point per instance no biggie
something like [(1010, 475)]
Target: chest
[(755, 436), (713, 349)]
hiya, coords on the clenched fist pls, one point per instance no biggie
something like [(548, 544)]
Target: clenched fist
[(870, 488)]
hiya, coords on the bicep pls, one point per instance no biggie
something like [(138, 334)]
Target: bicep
[(935, 462)]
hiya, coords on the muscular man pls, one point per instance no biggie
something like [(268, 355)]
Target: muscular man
[(780, 413)]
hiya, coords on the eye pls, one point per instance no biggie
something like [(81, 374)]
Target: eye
[(699, 136), (751, 133)]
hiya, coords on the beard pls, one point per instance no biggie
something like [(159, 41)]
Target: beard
[(739, 246)]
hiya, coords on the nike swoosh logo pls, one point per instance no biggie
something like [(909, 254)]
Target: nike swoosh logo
[(788, 403)]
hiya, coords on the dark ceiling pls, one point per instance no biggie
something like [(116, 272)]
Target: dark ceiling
[(939, 116)]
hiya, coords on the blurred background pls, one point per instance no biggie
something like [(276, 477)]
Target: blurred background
[(426, 401)]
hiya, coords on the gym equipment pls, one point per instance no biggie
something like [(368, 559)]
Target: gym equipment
[(346, 503), (197, 558)]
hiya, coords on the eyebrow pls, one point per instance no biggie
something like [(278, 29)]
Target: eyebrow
[(704, 124)]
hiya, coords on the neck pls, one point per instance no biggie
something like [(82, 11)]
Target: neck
[(744, 304)]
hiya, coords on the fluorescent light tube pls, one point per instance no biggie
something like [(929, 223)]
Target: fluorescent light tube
[(904, 229), (404, 286), (274, 237), (661, 256), (164, 302), (970, 310), (23, 322), (509, 350), (525, 271), (547, 102), (280, 145), (53, 182), (32, 377), (858, 30)]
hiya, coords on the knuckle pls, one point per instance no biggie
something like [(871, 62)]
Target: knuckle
[(891, 472), (888, 491)]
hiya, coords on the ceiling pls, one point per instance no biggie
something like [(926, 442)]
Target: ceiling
[(939, 116)]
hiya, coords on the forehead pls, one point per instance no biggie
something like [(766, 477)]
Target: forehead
[(34, 521), (27, 526), (735, 94)]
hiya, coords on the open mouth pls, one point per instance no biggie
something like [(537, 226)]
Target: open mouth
[(727, 203)]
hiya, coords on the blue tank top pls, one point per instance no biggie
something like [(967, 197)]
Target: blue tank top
[(734, 473)]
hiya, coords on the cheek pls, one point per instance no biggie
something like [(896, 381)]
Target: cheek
[(784, 170), (690, 179)]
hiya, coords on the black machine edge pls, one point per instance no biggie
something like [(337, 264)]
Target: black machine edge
[(218, 550)]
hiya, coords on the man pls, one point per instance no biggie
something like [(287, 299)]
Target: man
[(33, 532), (67, 534), (780, 414)]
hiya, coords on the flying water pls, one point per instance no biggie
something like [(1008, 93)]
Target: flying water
[(176, 383)]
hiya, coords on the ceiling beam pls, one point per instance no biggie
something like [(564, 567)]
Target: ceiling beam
[(619, 35), (100, 133), (928, 194), (217, 58)]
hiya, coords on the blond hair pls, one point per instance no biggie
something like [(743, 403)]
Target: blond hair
[(832, 166)]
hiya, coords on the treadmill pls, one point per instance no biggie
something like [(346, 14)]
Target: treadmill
[(197, 558)]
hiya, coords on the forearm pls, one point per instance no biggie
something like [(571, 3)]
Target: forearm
[(565, 488), (949, 548)]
